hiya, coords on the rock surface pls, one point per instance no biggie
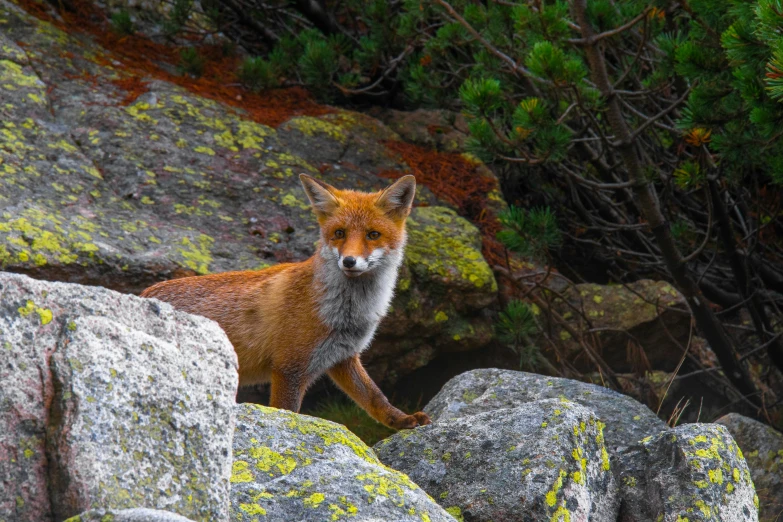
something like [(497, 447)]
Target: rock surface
[(439, 129), (128, 515), (762, 448), (693, 472), (696, 471), (111, 401), (478, 391), (294, 467), (98, 188), (544, 460), (652, 312)]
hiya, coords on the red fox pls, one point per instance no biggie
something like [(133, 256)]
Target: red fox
[(292, 322)]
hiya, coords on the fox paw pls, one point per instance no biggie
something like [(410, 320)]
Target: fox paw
[(411, 421)]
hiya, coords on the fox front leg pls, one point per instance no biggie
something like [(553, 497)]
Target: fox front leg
[(287, 391), (352, 378)]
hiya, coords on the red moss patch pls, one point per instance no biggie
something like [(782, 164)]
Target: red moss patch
[(143, 58), (457, 180)]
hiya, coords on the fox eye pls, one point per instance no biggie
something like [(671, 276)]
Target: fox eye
[(339, 233), (374, 235)]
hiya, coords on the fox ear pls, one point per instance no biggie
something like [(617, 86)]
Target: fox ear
[(320, 194), (397, 199)]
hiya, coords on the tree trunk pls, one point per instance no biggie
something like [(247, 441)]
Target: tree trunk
[(739, 267), (646, 200)]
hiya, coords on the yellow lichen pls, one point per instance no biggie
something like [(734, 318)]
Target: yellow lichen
[(197, 257), (314, 500), (252, 509), (444, 245), (240, 472), (267, 459)]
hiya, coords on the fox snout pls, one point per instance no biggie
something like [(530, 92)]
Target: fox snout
[(354, 265)]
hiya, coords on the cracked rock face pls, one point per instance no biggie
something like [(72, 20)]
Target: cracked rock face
[(100, 192), (110, 400), (544, 460), (652, 312), (762, 447), (477, 391), (294, 467), (128, 515), (692, 472)]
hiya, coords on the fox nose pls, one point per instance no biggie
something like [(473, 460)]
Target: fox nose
[(349, 262)]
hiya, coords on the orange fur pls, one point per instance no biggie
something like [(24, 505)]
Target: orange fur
[(274, 317)]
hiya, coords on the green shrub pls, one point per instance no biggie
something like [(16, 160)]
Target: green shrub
[(122, 24), (191, 62), (258, 74)]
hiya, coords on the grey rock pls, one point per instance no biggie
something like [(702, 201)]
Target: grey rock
[(289, 467), (626, 420), (96, 189), (110, 400), (544, 460), (435, 128), (652, 312), (693, 472), (762, 447), (128, 515)]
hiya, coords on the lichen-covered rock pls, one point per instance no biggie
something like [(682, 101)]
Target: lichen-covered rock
[(762, 448), (545, 460), (438, 129), (111, 401), (693, 472), (477, 391), (128, 515), (443, 290), (294, 467), (102, 190), (652, 312)]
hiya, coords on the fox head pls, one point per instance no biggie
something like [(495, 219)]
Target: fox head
[(361, 231)]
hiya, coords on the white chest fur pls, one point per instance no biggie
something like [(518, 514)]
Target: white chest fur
[(351, 308)]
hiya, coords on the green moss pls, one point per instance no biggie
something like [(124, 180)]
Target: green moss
[(314, 500), (455, 512), (44, 314), (268, 459), (445, 246), (441, 317), (470, 396), (289, 200), (392, 485), (328, 432), (310, 126), (197, 257), (352, 417), (551, 496), (240, 472), (252, 509)]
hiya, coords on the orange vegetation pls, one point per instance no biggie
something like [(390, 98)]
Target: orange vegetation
[(457, 180), (142, 58)]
